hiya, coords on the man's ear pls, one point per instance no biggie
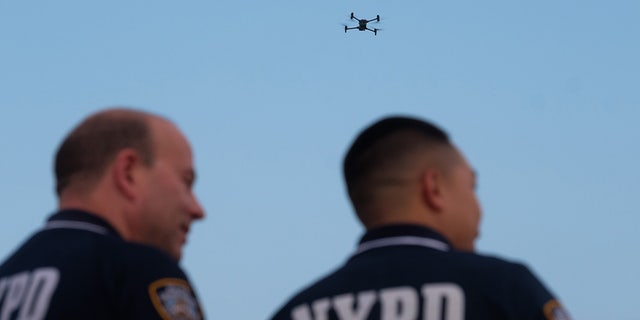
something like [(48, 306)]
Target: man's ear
[(431, 184), (125, 173)]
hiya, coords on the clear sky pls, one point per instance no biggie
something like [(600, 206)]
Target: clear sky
[(541, 96)]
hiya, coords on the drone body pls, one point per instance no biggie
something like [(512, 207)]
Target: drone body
[(362, 24)]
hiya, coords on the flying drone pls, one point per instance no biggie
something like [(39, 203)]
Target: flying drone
[(362, 24)]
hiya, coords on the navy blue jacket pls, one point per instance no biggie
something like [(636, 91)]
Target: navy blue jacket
[(407, 272), (78, 267)]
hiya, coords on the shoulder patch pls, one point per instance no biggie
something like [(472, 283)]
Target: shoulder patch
[(174, 299), (553, 310)]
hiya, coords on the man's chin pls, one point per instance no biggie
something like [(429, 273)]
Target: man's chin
[(173, 252), (176, 254)]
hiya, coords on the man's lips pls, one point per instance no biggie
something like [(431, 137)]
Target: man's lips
[(185, 230)]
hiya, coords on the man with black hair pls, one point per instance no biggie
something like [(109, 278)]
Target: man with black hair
[(414, 192), (124, 184)]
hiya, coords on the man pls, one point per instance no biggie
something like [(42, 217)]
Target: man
[(124, 181), (414, 193)]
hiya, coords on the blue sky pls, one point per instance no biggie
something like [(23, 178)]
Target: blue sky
[(542, 97)]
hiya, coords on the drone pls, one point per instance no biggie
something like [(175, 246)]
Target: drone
[(362, 24)]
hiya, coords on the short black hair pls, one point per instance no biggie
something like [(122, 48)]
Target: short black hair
[(368, 153)]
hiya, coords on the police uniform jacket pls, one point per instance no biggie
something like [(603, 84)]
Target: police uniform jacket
[(78, 267), (408, 272)]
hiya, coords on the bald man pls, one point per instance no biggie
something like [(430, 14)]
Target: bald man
[(124, 182), (414, 192)]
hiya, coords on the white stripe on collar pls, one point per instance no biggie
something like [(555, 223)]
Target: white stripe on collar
[(80, 225), (399, 241)]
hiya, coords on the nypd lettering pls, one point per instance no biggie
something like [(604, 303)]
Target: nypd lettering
[(439, 301), (26, 295)]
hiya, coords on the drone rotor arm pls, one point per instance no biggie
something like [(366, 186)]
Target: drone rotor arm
[(374, 30)]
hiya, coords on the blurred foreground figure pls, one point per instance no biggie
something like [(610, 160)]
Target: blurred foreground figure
[(111, 251), (414, 192)]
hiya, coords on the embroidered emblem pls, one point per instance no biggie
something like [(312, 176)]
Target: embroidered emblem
[(174, 299), (554, 311)]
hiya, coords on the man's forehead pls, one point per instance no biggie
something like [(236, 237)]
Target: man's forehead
[(467, 167), (165, 132), (463, 159), (161, 125), (460, 163), (171, 145)]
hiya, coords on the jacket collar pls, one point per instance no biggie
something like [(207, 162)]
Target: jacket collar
[(402, 235), (80, 220)]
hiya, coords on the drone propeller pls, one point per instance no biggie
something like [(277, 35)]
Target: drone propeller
[(349, 21), (375, 30), (344, 25), (385, 18)]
